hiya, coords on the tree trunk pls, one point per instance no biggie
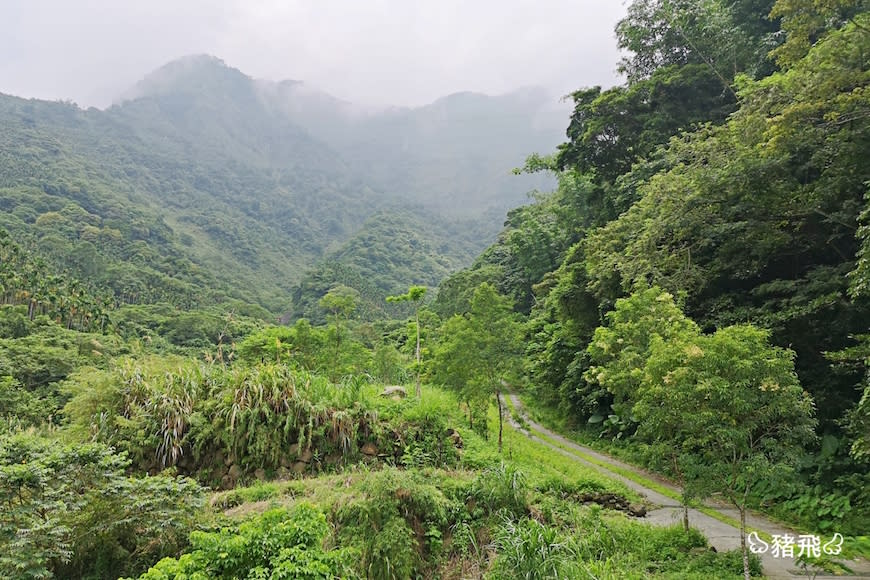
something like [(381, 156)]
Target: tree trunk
[(417, 320), (498, 399), (684, 499), (743, 543)]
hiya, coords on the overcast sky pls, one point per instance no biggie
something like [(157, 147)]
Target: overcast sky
[(373, 52)]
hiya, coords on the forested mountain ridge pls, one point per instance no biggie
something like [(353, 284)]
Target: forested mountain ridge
[(223, 180)]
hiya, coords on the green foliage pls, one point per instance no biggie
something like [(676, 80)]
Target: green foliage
[(202, 418), (501, 488), (70, 511), (528, 549), (621, 349), (480, 352), (388, 366), (20, 407), (725, 36), (277, 544), (613, 129), (415, 296), (27, 279), (300, 345), (725, 409), (166, 410), (731, 400), (382, 526), (806, 23)]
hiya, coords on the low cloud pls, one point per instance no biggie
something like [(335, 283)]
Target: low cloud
[(375, 52)]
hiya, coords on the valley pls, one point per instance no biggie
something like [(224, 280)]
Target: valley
[(249, 329)]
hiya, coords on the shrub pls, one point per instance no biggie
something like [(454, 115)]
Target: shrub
[(70, 511), (401, 519), (276, 544)]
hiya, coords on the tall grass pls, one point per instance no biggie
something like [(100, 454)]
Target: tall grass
[(253, 414)]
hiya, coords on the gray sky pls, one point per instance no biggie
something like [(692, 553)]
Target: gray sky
[(373, 52)]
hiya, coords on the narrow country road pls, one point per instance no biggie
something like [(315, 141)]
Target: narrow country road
[(722, 536)]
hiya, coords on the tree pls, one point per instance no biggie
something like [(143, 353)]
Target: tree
[(620, 350), (481, 351), (71, 511), (415, 296), (727, 36), (340, 302), (805, 22), (733, 405)]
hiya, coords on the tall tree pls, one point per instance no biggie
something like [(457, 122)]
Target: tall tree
[(340, 302), (415, 296), (733, 403), (481, 351)]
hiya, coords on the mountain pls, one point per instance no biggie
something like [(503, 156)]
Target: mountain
[(453, 156), (203, 184)]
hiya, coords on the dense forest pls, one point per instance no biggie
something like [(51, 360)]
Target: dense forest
[(246, 331), (728, 177)]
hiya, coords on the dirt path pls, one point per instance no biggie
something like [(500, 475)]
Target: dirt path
[(722, 536)]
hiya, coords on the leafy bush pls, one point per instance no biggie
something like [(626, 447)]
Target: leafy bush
[(163, 410), (422, 428), (401, 519), (275, 545), (70, 511), (20, 407)]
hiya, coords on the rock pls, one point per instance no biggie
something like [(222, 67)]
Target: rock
[(286, 462), (260, 474), (333, 458), (305, 456), (395, 392), (185, 462), (637, 510), (235, 473), (454, 436), (227, 482), (283, 473), (219, 457), (369, 449), (299, 467)]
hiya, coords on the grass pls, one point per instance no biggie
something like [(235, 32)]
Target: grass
[(542, 463), (853, 547), (638, 478), (546, 529)]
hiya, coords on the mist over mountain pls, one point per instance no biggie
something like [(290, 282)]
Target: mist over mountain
[(254, 183)]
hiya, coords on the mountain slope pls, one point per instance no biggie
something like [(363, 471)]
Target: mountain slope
[(205, 184), (453, 156)]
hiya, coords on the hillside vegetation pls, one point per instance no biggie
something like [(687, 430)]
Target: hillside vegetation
[(718, 197), (223, 355), (207, 182)]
